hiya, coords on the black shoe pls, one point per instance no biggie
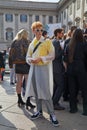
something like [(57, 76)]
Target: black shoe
[(11, 83), (28, 104), (36, 115), (84, 113), (15, 81), (73, 111), (0, 106), (58, 107), (21, 103), (54, 120)]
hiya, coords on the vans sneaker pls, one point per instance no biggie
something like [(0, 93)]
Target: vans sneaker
[(36, 115), (54, 120)]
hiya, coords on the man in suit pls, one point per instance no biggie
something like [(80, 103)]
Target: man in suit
[(58, 69)]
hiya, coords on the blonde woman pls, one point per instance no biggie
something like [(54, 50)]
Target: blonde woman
[(17, 56)]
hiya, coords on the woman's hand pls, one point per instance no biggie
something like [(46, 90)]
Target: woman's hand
[(65, 66), (35, 61)]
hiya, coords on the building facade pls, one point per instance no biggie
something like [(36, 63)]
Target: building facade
[(16, 15), (72, 12)]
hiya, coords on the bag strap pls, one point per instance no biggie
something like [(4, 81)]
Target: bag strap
[(36, 46)]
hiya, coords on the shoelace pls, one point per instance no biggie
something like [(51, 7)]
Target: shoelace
[(36, 113), (54, 117)]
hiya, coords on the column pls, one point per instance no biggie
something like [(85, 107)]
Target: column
[(33, 18), (54, 19), (47, 21), (16, 24), (41, 19), (30, 23), (1, 27)]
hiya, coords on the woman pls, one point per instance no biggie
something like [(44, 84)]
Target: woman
[(17, 56), (2, 66), (40, 54), (76, 70)]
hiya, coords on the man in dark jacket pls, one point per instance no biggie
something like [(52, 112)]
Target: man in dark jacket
[(58, 70)]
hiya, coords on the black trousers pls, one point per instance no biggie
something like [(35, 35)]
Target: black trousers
[(77, 81), (58, 86), (66, 88)]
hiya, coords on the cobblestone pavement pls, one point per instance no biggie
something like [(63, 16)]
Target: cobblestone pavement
[(14, 118)]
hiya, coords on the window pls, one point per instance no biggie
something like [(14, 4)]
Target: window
[(65, 14), (56, 18), (9, 34), (78, 4), (9, 17), (59, 17), (23, 18), (37, 18), (50, 19)]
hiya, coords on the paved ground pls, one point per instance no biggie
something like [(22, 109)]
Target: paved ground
[(14, 118)]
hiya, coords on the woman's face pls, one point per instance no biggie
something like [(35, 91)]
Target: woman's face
[(38, 32)]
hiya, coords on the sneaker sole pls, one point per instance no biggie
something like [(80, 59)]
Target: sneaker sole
[(37, 117), (56, 125)]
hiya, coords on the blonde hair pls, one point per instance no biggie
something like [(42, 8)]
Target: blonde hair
[(36, 25), (22, 34)]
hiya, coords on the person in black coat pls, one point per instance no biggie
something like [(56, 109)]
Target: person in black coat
[(58, 70), (1, 66), (85, 31), (76, 70), (66, 88), (4, 62)]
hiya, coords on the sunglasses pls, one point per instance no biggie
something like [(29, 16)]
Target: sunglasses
[(39, 30)]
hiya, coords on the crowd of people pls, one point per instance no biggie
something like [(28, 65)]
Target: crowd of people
[(49, 68)]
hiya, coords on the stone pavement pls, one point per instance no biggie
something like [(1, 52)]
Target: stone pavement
[(14, 118)]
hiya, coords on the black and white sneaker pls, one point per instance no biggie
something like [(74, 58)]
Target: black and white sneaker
[(54, 120), (36, 115)]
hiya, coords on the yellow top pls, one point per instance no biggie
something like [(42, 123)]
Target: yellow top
[(44, 49)]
